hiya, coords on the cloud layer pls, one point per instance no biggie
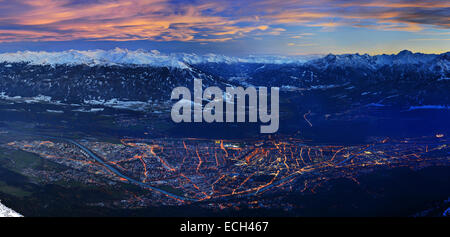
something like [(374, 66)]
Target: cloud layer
[(206, 21)]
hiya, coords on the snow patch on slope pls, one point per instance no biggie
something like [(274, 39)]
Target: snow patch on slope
[(429, 107), (7, 212), (117, 104)]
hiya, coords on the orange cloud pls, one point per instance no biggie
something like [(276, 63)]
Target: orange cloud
[(400, 4), (205, 21), (122, 20)]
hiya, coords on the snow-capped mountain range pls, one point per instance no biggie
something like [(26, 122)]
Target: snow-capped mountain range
[(253, 59), (154, 58), (142, 79), (7, 212), (94, 57), (137, 57), (366, 61)]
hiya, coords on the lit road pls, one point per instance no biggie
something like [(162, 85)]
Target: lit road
[(115, 171)]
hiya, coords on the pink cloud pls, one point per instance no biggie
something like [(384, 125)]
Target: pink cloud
[(205, 21)]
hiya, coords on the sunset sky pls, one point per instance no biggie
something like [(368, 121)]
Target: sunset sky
[(286, 27)]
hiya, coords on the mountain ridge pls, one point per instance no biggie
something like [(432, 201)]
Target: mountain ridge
[(415, 79), (154, 58)]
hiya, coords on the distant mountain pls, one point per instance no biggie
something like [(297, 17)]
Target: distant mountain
[(80, 83), (139, 57), (252, 59), (94, 57), (406, 79), (405, 57)]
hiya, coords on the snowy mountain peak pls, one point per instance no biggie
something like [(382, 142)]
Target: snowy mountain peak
[(155, 58), (94, 57), (405, 52), (376, 61), (259, 59)]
